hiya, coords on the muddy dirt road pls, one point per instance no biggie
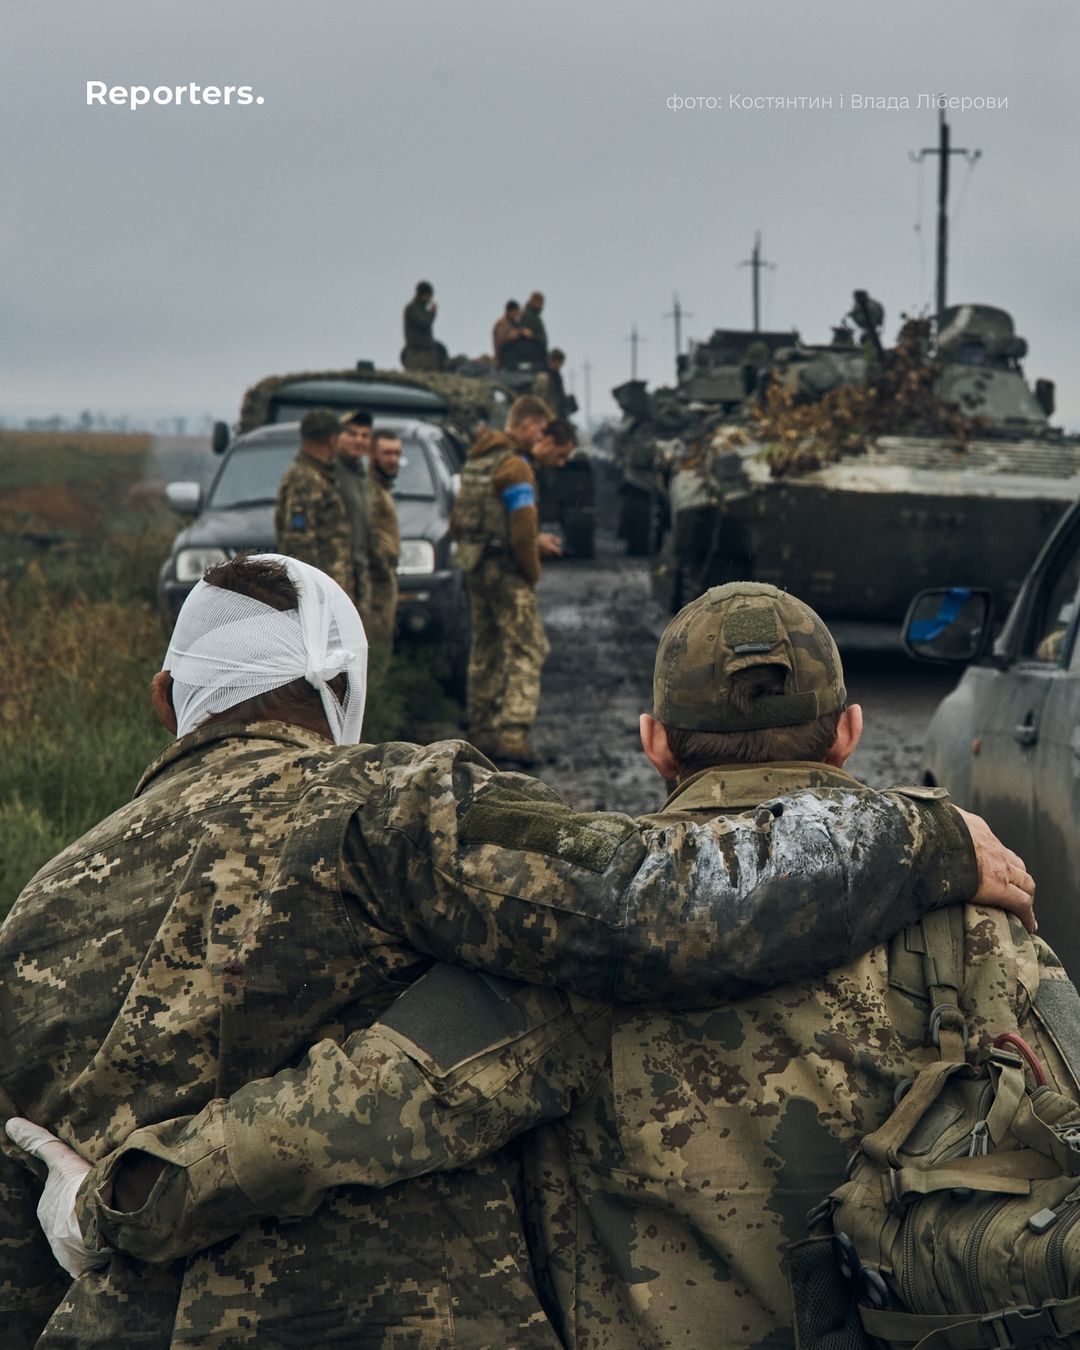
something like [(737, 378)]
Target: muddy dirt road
[(603, 625)]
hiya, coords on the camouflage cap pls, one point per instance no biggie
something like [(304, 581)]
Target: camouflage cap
[(319, 424), (732, 628)]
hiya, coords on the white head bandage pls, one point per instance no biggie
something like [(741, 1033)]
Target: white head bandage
[(227, 647)]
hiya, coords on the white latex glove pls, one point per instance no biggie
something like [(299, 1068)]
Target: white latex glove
[(56, 1208)]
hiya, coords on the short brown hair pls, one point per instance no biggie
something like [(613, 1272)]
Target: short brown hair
[(384, 434), (528, 406), (697, 750), (561, 431), (267, 581)]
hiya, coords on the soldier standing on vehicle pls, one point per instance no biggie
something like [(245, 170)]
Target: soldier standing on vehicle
[(676, 1179), (549, 385), (507, 329), (310, 521), (353, 472), (531, 320), (380, 611), (421, 350), (495, 525)]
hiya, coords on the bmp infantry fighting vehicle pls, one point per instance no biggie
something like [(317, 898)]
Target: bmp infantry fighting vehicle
[(863, 475), (715, 382)]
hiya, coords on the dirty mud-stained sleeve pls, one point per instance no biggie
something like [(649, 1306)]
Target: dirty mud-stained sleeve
[(31, 1282), (495, 871), (458, 1066), (515, 485)]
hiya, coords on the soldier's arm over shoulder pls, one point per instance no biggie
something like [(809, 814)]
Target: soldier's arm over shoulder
[(460, 1064), (515, 485), (497, 872)]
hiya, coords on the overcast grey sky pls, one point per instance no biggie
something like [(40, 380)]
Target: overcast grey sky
[(166, 258)]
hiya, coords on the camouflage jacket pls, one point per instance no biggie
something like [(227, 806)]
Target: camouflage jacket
[(484, 1059), (353, 480), (418, 323), (385, 536), (311, 522)]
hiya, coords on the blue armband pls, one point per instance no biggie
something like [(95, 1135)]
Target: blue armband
[(519, 495)]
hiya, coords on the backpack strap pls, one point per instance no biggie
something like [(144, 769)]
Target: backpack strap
[(1006, 1329), (943, 966)]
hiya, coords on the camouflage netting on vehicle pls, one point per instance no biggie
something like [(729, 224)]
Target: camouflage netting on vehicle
[(468, 398), (899, 399)]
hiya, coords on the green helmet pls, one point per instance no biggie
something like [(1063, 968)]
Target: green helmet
[(731, 628)]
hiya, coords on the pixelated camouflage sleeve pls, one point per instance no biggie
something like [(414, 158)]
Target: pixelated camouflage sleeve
[(31, 1282), (459, 1065), (500, 874)]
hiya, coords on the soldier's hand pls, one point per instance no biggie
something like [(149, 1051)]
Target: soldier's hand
[(56, 1208), (1004, 881), (550, 546)]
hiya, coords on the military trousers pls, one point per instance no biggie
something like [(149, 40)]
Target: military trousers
[(507, 648)]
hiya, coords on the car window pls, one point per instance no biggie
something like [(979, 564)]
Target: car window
[(250, 475), (414, 474), (1049, 635)]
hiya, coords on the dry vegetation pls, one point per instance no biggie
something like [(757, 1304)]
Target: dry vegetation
[(802, 436)]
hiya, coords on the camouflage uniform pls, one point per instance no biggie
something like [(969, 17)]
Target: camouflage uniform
[(380, 611), (695, 1142), (266, 890), (311, 522), (353, 480), (421, 351), (530, 319), (495, 526)]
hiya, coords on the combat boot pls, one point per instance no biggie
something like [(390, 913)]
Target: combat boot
[(513, 747)]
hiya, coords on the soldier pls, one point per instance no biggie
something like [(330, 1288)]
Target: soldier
[(496, 529), (548, 384), (421, 351), (310, 521), (380, 611), (353, 450), (657, 1209), (531, 320), (507, 329)]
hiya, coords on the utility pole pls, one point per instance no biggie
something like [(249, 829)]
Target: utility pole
[(756, 262), (943, 150), (588, 395), (634, 338), (678, 314)]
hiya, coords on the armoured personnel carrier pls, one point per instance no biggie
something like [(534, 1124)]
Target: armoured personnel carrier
[(715, 382), (864, 475)]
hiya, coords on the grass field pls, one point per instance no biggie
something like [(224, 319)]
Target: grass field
[(81, 541)]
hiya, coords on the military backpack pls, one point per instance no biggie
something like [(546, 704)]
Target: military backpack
[(959, 1224)]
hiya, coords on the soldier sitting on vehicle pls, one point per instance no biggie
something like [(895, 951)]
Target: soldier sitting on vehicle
[(658, 1211), (421, 350), (507, 329)]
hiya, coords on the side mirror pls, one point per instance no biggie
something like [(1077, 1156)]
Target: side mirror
[(950, 624), (184, 498), (220, 438)]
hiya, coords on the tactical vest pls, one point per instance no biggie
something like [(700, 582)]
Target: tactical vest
[(479, 525), (958, 1224)]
